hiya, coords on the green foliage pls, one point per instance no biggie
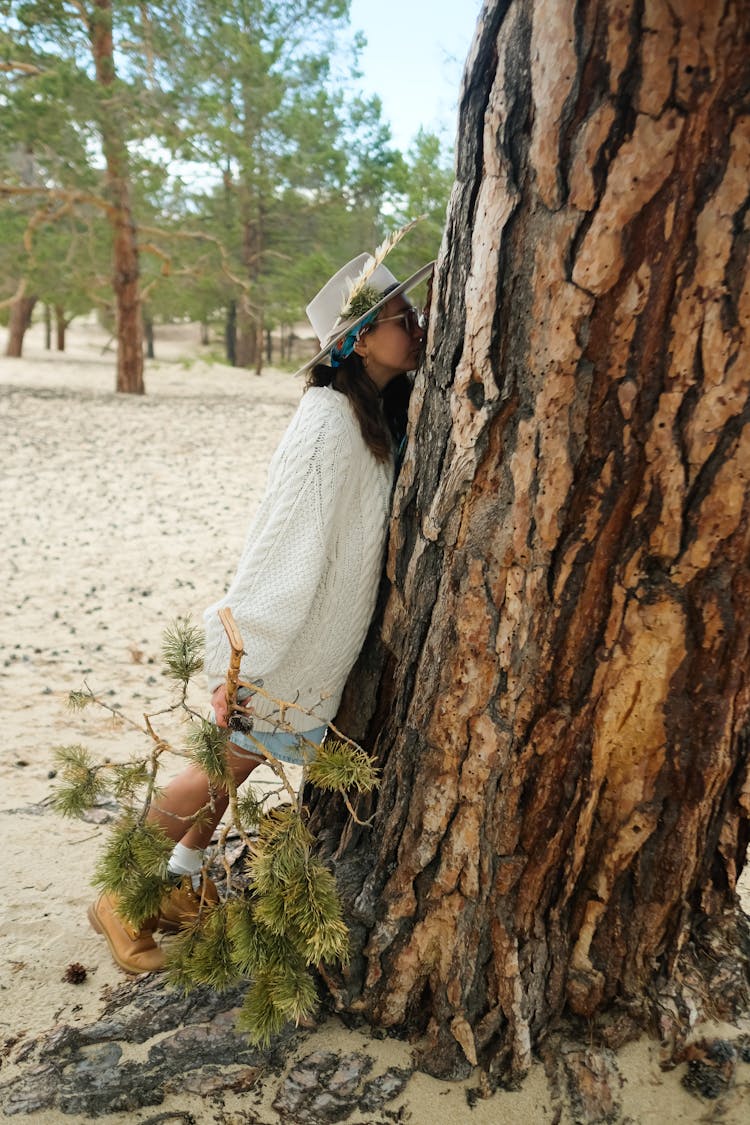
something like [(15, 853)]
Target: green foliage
[(289, 916), (296, 895), (182, 650), (253, 159), (340, 766), (277, 993), (281, 987), (207, 744), (253, 945), (82, 783), (77, 700), (308, 907), (133, 866), (203, 954), (129, 779), (250, 811), (132, 847)]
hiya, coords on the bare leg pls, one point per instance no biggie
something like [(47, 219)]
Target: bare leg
[(187, 793)]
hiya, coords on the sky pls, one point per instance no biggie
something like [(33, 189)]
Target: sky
[(414, 60)]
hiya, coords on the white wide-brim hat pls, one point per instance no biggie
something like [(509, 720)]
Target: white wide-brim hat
[(324, 311)]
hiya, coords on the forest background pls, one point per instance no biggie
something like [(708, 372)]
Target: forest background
[(204, 160)]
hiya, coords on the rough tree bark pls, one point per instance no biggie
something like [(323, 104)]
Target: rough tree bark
[(125, 259), (18, 322), (559, 685)]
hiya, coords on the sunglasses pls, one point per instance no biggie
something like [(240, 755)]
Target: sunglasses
[(410, 318)]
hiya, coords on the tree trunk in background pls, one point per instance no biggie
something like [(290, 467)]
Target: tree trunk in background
[(250, 336), (18, 322), (259, 345), (230, 334), (125, 262), (559, 689), (205, 334), (247, 335), (148, 328), (61, 325), (47, 328)]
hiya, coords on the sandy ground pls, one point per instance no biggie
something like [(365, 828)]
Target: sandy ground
[(117, 514)]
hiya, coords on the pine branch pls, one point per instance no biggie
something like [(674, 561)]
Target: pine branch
[(182, 650), (340, 766), (133, 867), (290, 915), (82, 783), (20, 291), (207, 745), (21, 68), (77, 700), (275, 996), (202, 954), (60, 194)]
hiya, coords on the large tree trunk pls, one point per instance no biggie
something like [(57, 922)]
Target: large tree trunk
[(559, 690), (18, 322), (125, 261)]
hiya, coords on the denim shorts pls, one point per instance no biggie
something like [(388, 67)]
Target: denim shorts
[(293, 748)]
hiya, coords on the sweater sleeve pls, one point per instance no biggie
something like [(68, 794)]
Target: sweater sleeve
[(285, 554)]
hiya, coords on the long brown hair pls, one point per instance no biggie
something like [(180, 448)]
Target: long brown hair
[(381, 418)]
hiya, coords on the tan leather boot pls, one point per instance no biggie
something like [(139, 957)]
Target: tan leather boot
[(135, 951), (180, 906)]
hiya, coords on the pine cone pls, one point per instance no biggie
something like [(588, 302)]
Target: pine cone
[(75, 973)]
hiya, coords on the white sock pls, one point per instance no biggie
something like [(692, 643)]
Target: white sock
[(186, 861)]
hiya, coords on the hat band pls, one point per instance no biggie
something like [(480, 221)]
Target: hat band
[(347, 346)]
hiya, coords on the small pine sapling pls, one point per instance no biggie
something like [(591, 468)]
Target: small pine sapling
[(283, 916)]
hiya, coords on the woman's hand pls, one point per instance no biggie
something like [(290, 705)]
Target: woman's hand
[(219, 704)]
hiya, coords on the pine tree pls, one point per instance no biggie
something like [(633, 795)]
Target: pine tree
[(275, 921)]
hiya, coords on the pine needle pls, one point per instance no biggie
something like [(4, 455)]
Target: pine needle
[(82, 783), (207, 744), (276, 995), (129, 778), (253, 944), (203, 954), (77, 700), (179, 959), (339, 765), (182, 649), (250, 811), (139, 899), (133, 866)]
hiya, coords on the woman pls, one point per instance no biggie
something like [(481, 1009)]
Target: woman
[(305, 587)]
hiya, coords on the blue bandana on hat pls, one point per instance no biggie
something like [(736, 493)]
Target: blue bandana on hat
[(347, 345)]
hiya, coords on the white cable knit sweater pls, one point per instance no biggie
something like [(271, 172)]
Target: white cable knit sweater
[(306, 584)]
